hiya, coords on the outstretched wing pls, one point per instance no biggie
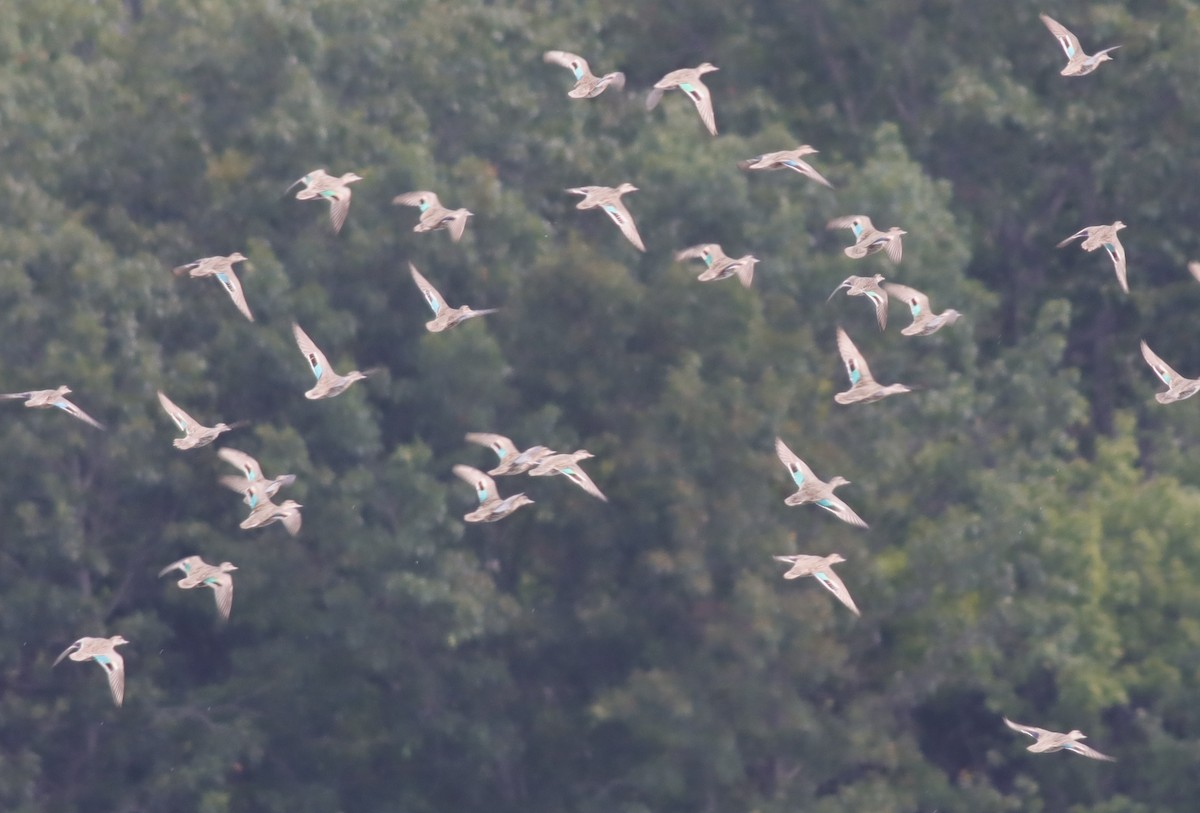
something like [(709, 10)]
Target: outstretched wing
[(894, 249), (1068, 41), (1081, 233), (339, 206), (114, 666), (74, 411), (1116, 252), (1160, 367), (186, 423), (833, 583), (186, 564), (859, 224), (1036, 733), (502, 446), (1088, 751), (856, 365), (485, 487), (316, 359), (435, 300), (457, 223), (290, 518), (572, 62), (705, 251), (620, 215), (222, 586), (243, 461), (799, 470), (917, 302), (806, 169), (702, 97), (233, 286), (422, 200), (837, 506), (72, 648), (580, 478)]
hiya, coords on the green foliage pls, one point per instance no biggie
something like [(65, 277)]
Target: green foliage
[(1032, 510)]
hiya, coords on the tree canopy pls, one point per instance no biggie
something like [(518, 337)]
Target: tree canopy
[(1032, 510)]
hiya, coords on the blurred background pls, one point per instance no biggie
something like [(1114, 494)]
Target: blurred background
[(1033, 511)]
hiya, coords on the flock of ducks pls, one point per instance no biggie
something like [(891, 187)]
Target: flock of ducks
[(258, 490)]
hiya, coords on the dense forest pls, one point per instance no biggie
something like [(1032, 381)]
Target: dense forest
[(1033, 511)]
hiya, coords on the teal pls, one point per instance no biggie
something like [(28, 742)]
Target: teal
[(787, 159), (511, 460), (814, 490), (195, 434), (103, 652), (491, 507), (52, 399), (587, 85), (925, 321), (222, 269), (567, 465), (821, 568), (1178, 387), (435, 216), (199, 573), (329, 383), (445, 317), (1050, 741), (608, 200), (868, 239), (718, 265), (319, 184), (1105, 235), (252, 484), (1079, 63), (863, 387), (870, 288), (688, 80)]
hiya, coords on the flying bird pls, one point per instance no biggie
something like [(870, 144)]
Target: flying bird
[(1178, 387), (1048, 741), (197, 572), (336, 190), (1078, 63), (222, 269), (821, 568), (194, 435), (444, 317), (868, 239), (328, 383), (810, 489), (435, 216), (266, 512), (47, 399), (568, 466), (863, 387), (252, 484), (104, 652), (1095, 237), (924, 321), (688, 80), (609, 199), (787, 159), (719, 266), (587, 85), (491, 507), (512, 460), (870, 288)]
